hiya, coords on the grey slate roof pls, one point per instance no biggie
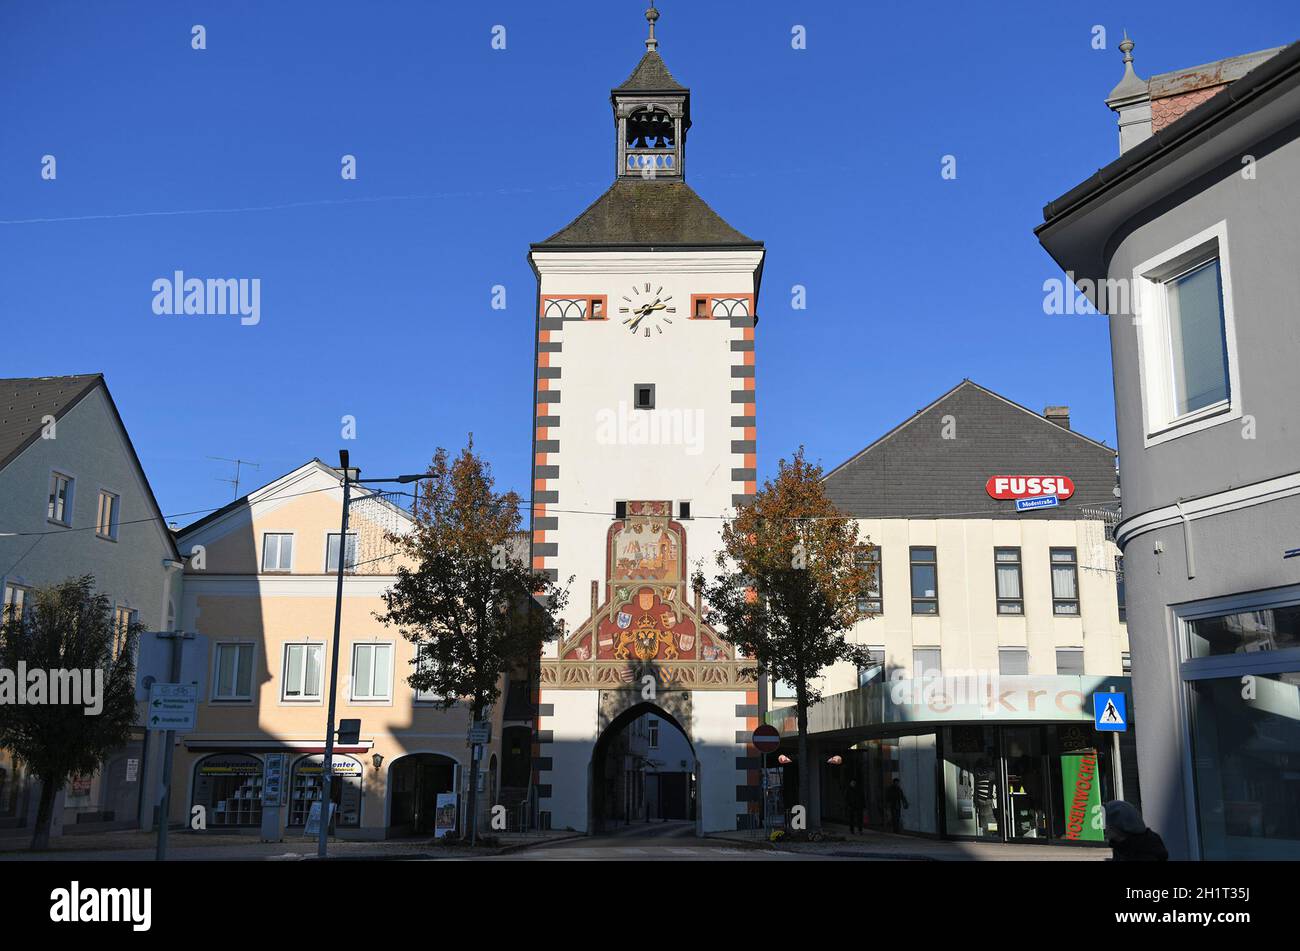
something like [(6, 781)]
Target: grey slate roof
[(912, 471), (651, 75), (641, 212), (25, 401)]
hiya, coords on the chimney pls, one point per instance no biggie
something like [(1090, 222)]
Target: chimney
[(1131, 101), (1057, 414)]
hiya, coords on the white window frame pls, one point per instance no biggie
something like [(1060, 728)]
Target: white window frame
[(424, 696), (68, 504), (302, 697), (23, 601), (352, 677), (1075, 651), (279, 550), (115, 516), (343, 553), (130, 615), (1155, 370), (217, 697)]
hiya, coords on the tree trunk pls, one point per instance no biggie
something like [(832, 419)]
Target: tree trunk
[(44, 815), (806, 766)]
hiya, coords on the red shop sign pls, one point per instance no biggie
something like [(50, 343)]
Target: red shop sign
[(1027, 487)]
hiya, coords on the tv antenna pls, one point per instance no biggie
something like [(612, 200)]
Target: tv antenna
[(239, 463)]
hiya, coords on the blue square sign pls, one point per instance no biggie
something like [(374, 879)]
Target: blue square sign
[(1110, 712)]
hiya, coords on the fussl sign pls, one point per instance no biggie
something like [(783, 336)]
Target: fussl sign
[(1025, 487)]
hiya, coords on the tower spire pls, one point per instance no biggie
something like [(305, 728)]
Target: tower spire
[(651, 16)]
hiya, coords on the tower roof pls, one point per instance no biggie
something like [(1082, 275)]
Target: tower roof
[(647, 213), (651, 75)]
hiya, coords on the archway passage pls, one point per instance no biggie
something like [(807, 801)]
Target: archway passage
[(414, 783), (643, 770)]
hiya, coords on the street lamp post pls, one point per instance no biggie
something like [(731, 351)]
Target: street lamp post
[(327, 766)]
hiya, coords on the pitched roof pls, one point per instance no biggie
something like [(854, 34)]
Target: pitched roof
[(914, 472), (651, 75), (26, 401), (641, 212)]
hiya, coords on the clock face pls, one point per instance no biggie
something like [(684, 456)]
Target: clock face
[(646, 310)]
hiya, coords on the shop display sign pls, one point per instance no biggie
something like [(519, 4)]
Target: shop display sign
[(273, 779), (1080, 786), (445, 816), (1027, 487)]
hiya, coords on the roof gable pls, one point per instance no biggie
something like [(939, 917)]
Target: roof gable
[(914, 472), (639, 212)]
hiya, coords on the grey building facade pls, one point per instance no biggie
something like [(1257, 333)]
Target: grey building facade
[(1189, 242)]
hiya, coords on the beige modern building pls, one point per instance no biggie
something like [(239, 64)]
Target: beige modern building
[(996, 613), (260, 593)]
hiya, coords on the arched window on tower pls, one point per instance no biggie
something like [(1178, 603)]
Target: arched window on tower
[(651, 140)]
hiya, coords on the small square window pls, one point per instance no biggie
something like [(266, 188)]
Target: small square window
[(277, 551), (643, 396), (684, 510), (620, 510), (701, 307), (598, 308), (1069, 661), (1013, 662)]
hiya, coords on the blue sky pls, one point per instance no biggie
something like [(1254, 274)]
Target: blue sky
[(376, 292)]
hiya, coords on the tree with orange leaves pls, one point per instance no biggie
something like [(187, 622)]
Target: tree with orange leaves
[(787, 586), (473, 605)]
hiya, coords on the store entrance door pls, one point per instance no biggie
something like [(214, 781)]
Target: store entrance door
[(1024, 775)]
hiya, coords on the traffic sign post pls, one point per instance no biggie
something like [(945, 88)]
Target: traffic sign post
[(175, 703), (1110, 715), (766, 739)]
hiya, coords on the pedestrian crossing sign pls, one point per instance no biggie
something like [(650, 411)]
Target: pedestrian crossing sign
[(1110, 712)]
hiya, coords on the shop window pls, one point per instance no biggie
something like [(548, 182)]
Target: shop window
[(1065, 582), (1006, 568), (925, 581), (229, 788), (345, 790)]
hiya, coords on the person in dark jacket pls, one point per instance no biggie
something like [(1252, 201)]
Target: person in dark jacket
[(897, 803), (1130, 839), (854, 802)]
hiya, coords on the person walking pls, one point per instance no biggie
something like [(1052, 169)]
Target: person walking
[(854, 802), (1130, 839), (897, 803)]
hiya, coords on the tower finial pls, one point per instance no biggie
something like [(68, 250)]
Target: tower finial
[(651, 16), (1126, 47)]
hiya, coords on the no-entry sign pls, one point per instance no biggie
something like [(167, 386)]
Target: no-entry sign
[(766, 739)]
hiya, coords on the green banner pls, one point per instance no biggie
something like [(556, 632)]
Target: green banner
[(1081, 789)]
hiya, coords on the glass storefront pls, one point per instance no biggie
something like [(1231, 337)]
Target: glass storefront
[(229, 787), (345, 790)]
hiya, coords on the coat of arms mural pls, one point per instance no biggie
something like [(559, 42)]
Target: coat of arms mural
[(646, 623)]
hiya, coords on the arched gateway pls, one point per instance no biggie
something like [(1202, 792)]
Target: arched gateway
[(644, 439)]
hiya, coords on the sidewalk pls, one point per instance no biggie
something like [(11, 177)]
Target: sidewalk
[(185, 846), (886, 845)]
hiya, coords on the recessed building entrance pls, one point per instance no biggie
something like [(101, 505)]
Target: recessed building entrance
[(414, 784), (643, 770)]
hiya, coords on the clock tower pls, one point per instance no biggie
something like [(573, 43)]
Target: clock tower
[(645, 430)]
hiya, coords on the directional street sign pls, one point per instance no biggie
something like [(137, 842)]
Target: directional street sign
[(1110, 712), (1041, 502), (480, 732), (171, 707)]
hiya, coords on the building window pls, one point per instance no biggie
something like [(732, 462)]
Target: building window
[(870, 600), (700, 307), (302, 671), (277, 552), (332, 556), (620, 510), (372, 666), (233, 676), (653, 732), (784, 690), (874, 668), (1069, 661), (684, 510), (423, 664), (598, 308), (1013, 662), (106, 520), (925, 581), (1242, 739), (60, 506), (643, 395), (123, 618), (1119, 588), (1065, 582), (15, 604), (927, 661), (1126, 664), (1186, 339), (1006, 567)]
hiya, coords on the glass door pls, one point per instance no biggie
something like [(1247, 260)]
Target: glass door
[(1026, 783)]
